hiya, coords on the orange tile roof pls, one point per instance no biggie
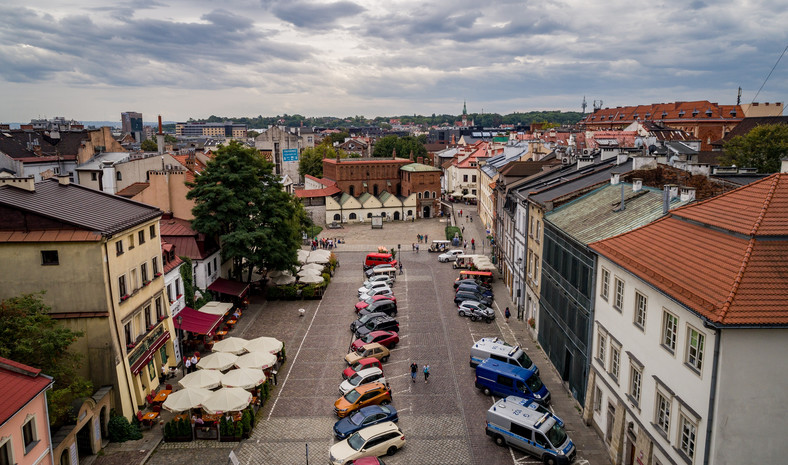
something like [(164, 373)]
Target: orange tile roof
[(723, 258)]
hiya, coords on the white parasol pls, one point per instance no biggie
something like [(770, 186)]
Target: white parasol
[(319, 256), (207, 379), (185, 399), (226, 400), (310, 279), (283, 280), (232, 345), (469, 196), (217, 361), (260, 360), (302, 255), (265, 344), (313, 266), (244, 378), (308, 271), (216, 308)]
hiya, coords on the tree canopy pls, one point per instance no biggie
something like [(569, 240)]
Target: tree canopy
[(311, 159), (241, 201), (29, 335), (761, 148), (403, 145), (149, 145)]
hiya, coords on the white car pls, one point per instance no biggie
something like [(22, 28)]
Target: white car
[(450, 255), (371, 285), (376, 291), (372, 441), (379, 278), (367, 375)]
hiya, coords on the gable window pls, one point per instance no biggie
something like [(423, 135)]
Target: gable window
[(141, 236), (670, 325), (119, 247), (687, 431), (663, 412), (49, 257), (29, 433), (695, 342), (640, 310), (604, 284), (152, 231), (618, 302)]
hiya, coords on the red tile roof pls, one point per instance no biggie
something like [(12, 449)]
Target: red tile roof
[(672, 111), (133, 189), (311, 193), (723, 258), (19, 384)]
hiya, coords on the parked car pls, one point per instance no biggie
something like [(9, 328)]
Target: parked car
[(373, 292), (381, 323), (369, 375), (371, 271), (364, 417), (366, 302), (381, 439), (389, 307), (387, 339), (449, 256), (475, 288), (361, 321), (476, 311), (372, 349), (360, 365), (459, 282), (462, 296), (366, 394), (371, 285), (380, 277)]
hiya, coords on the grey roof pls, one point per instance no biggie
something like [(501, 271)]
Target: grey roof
[(680, 147), (561, 186), (95, 163), (79, 206), (596, 215)]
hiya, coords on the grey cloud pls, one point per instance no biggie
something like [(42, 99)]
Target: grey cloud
[(306, 14)]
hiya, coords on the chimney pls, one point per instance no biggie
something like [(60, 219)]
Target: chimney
[(614, 177), (582, 161), (784, 166), (393, 154), (28, 183), (621, 158), (420, 160), (160, 139), (665, 199), (674, 191), (687, 194), (637, 184), (63, 179)]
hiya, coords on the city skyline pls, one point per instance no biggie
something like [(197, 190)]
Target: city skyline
[(90, 60)]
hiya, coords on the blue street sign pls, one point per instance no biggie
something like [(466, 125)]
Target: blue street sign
[(290, 155)]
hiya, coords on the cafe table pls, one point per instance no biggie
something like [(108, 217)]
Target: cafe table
[(161, 396)]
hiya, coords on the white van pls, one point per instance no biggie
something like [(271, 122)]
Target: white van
[(497, 349), (390, 271), (539, 434)]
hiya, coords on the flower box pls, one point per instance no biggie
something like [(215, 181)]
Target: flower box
[(124, 297), (146, 283), (162, 317), (150, 327), (130, 346), (157, 274)]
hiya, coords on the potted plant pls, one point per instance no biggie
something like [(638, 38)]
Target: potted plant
[(124, 297), (532, 323), (130, 346), (157, 274), (162, 317), (150, 327)]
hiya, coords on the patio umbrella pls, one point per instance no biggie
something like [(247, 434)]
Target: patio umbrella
[(260, 360), (244, 378), (216, 308), (302, 255), (226, 400), (232, 345), (311, 279), (313, 266), (308, 271), (469, 196), (456, 194), (319, 256), (217, 361), (264, 344), (275, 273), (283, 280), (185, 399), (207, 379)]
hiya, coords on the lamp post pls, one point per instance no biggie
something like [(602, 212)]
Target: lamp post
[(180, 343)]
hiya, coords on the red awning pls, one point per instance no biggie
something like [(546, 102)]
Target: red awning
[(197, 322), (225, 286), (146, 358)]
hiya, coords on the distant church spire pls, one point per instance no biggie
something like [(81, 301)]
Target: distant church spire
[(464, 108)]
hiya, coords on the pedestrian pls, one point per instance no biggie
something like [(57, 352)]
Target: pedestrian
[(413, 370), (460, 213), (507, 314), (463, 229), (426, 373), (400, 267), (425, 238), (413, 246), (465, 244), (473, 243), (417, 248), (188, 364), (195, 359)]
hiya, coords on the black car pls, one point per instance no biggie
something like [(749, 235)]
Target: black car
[(363, 320), (462, 296), (378, 323), (458, 282), (475, 288), (389, 307)]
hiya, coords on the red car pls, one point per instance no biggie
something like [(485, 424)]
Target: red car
[(365, 303), (360, 365), (387, 339)]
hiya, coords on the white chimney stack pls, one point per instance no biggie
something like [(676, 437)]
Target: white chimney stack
[(674, 191), (614, 177), (637, 184), (621, 158), (687, 194)]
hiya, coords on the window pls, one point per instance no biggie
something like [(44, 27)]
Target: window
[(144, 272), (663, 413), (600, 350), (538, 230), (352, 216), (169, 293), (49, 257), (6, 452), (155, 263), (597, 399), (122, 286), (336, 217), (464, 178), (687, 431), (640, 310), (152, 231), (159, 309), (93, 177), (118, 176), (119, 247), (615, 360), (531, 227), (618, 302), (131, 241), (670, 325), (604, 285), (178, 286), (146, 311), (695, 343), (473, 178), (635, 380), (536, 268), (209, 268), (141, 236), (127, 332), (29, 434)]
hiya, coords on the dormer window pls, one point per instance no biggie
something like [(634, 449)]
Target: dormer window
[(664, 114), (635, 115), (733, 113), (648, 115), (621, 116), (681, 113), (695, 112), (708, 113)]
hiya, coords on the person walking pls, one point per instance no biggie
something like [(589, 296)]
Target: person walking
[(425, 238), (507, 314), (400, 267), (426, 373), (188, 364), (414, 369)]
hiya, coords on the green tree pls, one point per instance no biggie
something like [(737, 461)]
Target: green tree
[(252, 134), (170, 139), (240, 200), (29, 335), (405, 146), (311, 160), (337, 137), (761, 148), (149, 145)]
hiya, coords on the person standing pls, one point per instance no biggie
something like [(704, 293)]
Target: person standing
[(400, 267), (426, 373), (425, 238), (188, 364), (414, 368), (507, 314)]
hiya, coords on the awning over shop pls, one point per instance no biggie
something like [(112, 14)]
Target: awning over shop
[(197, 322), (233, 288), (145, 358)]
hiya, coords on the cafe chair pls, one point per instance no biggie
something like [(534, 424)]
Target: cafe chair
[(169, 387)]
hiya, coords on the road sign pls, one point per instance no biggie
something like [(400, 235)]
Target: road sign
[(290, 155)]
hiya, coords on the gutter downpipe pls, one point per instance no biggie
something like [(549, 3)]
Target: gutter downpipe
[(713, 389)]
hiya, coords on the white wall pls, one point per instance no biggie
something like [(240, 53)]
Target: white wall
[(202, 279)]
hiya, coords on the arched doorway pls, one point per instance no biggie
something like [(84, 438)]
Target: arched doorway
[(64, 457), (375, 190), (352, 216), (352, 190), (426, 212), (396, 216)]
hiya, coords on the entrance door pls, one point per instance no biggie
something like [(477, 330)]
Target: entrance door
[(567, 365), (396, 216), (611, 417), (426, 212)]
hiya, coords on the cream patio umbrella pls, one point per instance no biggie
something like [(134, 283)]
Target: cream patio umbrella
[(319, 256), (244, 378), (232, 345), (302, 255), (310, 279), (313, 266), (216, 308), (217, 361), (260, 360), (265, 344), (283, 280), (185, 399), (227, 400), (207, 379), (308, 271)]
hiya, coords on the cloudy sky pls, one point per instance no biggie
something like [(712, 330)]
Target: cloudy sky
[(93, 59)]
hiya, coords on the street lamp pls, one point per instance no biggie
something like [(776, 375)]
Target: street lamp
[(180, 343)]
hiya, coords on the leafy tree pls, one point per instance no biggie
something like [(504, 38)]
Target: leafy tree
[(337, 137), (29, 335), (311, 160), (170, 139), (149, 145), (403, 145), (240, 200), (761, 148), (252, 134)]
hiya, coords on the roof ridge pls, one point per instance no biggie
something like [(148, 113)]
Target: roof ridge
[(766, 202), (736, 281)]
